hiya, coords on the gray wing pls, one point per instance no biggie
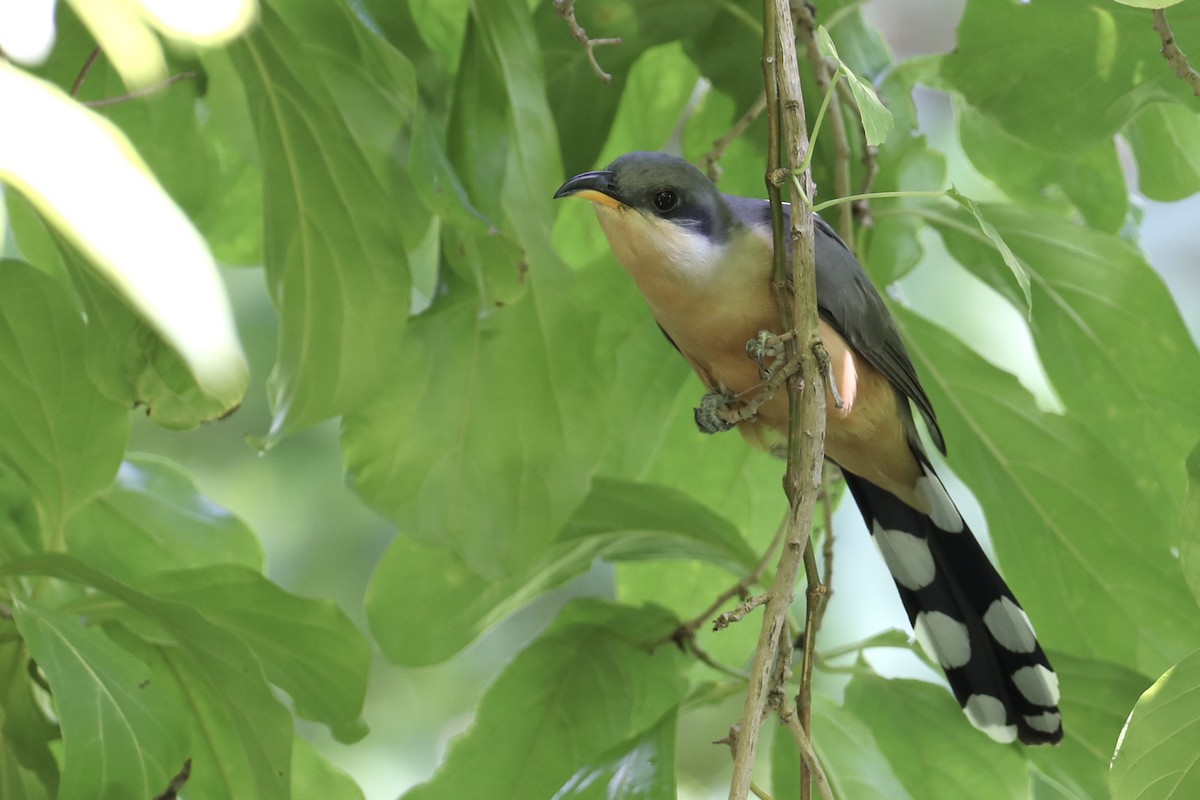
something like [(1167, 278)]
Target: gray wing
[(848, 301)]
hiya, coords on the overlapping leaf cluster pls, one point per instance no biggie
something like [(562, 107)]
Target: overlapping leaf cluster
[(509, 404)]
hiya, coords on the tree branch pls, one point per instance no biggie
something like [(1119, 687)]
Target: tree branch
[(566, 10), (1171, 52), (806, 390)]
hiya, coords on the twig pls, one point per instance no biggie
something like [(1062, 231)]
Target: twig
[(723, 621), (739, 589), (862, 208), (177, 783), (806, 426), (145, 90), (837, 120), (807, 753), (708, 162), (566, 10), (83, 71), (1171, 52)]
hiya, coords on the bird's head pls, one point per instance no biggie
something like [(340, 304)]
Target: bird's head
[(662, 216)]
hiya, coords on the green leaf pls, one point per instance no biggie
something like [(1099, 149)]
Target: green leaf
[(989, 230), (891, 247), (56, 429), (641, 521), (314, 776), (1096, 698), (1074, 72), (1107, 331), (334, 253), (1091, 180), (1060, 507), (241, 735), (642, 768), (618, 521), (308, 648), (876, 119), (1165, 138), (848, 751), (932, 748), (587, 684), (122, 735), (185, 303), (1189, 539), (1156, 756), (583, 105), (28, 737), (152, 519)]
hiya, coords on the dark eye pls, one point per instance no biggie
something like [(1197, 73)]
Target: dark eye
[(665, 200)]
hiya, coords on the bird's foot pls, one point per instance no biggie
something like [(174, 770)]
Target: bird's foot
[(826, 365), (714, 413), (767, 345)]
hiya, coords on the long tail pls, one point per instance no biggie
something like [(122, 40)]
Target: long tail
[(964, 615)]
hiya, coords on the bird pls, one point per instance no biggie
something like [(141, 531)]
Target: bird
[(702, 260)]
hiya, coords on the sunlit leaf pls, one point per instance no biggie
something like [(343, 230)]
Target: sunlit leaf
[(143, 245), (122, 736), (1156, 755)]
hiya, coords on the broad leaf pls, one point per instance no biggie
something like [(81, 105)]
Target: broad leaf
[(587, 684), (308, 648), (932, 748), (848, 752), (241, 734), (642, 768), (1107, 332), (186, 302), (152, 519), (989, 231), (1090, 180), (122, 734), (1074, 71), (1096, 698), (334, 254), (1189, 540), (1165, 138), (1060, 507), (1157, 754), (314, 776), (56, 429)]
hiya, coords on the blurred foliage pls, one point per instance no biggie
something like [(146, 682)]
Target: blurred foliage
[(508, 404)]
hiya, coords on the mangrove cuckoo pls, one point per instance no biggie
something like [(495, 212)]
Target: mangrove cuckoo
[(702, 260)]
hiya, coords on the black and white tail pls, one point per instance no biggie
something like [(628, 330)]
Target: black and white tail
[(965, 617)]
